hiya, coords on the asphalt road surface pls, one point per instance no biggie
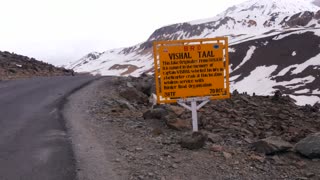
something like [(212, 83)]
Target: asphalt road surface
[(34, 144)]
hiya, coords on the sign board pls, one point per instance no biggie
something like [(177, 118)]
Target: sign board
[(191, 68)]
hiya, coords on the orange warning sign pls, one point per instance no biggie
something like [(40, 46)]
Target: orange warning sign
[(191, 68)]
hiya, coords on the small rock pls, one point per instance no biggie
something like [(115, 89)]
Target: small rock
[(196, 140), (302, 178), (133, 95), (139, 149), (214, 138), (309, 146), (166, 153), (257, 158), (157, 131), (157, 113), (129, 84), (310, 175), (216, 148), (277, 95), (177, 110), (301, 164), (316, 106), (235, 92), (271, 145), (248, 140), (252, 123), (179, 124), (277, 160), (175, 166), (236, 163), (227, 155)]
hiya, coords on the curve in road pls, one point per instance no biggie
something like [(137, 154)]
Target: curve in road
[(33, 139)]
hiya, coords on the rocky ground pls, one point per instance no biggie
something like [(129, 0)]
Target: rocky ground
[(245, 137), (14, 66)]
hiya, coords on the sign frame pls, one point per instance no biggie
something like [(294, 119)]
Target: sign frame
[(157, 45)]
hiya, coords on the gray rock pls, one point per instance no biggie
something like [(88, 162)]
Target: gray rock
[(145, 85), (124, 104), (196, 140), (271, 145), (309, 146), (214, 138), (129, 84), (277, 95), (316, 106), (300, 19), (157, 113), (133, 95), (178, 124)]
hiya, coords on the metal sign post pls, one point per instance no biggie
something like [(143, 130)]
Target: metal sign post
[(194, 108)]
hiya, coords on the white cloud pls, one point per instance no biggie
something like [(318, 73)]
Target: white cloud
[(64, 30)]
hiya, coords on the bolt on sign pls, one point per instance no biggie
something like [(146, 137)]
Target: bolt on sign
[(191, 68)]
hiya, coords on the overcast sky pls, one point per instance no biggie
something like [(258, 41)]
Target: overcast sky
[(60, 31)]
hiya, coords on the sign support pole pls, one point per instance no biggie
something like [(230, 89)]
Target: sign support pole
[(193, 108)]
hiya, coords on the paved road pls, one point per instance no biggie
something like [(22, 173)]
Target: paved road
[(33, 140)]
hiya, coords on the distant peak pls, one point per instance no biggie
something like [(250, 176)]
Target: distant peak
[(262, 9)]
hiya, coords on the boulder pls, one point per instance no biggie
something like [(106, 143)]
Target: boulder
[(133, 95), (196, 140), (316, 106), (157, 113), (277, 95), (308, 108), (178, 124), (214, 138), (145, 84), (271, 145), (309, 146), (177, 110)]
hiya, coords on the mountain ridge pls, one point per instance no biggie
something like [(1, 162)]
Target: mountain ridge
[(15, 66), (279, 27)]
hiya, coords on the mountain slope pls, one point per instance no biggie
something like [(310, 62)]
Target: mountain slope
[(274, 44), (289, 62), (14, 66)]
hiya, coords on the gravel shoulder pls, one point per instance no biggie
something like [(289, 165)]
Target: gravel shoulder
[(112, 140), (94, 156)]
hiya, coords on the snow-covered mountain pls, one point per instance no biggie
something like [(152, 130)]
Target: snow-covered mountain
[(274, 44)]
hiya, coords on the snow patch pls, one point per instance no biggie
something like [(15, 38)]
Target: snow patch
[(232, 50), (303, 100), (300, 67), (316, 91), (302, 91), (234, 77), (297, 82), (248, 57), (257, 82)]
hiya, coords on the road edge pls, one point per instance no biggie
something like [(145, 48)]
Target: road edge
[(92, 160)]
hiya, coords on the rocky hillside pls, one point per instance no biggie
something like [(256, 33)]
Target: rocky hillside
[(244, 137), (274, 45), (14, 66)]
